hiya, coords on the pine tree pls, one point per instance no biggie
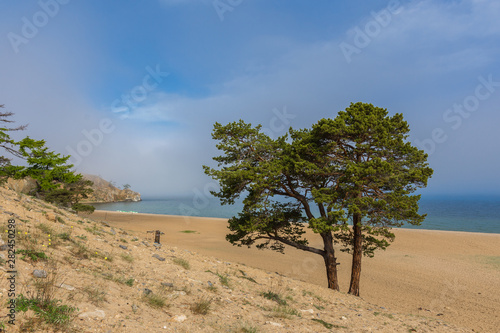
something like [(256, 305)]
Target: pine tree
[(7, 143), (55, 180), (355, 168)]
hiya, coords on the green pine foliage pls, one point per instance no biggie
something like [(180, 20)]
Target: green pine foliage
[(7, 144), (55, 180), (357, 170)]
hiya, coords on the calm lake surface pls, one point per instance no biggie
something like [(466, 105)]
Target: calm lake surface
[(474, 214)]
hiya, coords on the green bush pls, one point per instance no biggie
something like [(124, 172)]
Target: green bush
[(33, 255), (81, 208), (49, 311)]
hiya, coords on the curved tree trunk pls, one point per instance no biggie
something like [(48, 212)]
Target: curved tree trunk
[(356, 255), (330, 261)]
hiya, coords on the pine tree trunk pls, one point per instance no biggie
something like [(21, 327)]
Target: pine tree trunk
[(356, 256), (330, 262)]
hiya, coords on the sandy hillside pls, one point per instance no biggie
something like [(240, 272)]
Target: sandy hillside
[(454, 276), (120, 282)]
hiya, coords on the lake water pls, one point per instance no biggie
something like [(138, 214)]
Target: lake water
[(474, 214)]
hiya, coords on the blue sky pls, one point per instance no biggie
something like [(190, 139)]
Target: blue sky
[(131, 89)]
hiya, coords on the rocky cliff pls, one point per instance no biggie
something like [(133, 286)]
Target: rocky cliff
[(104, 191), (25, 185)]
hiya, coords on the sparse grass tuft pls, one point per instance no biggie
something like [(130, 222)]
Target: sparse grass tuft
[(130, 282), (94, 230), (324, 323), (80, 251), (245, 276), (319, 307), (283, 311), (182, 262), (154, 300), (188, 231), (45, 228), (274, 297), (64, 236), (127, 257), (95, 295), (224, 279), (310, 293), (247, 328), (202, 306), (103, 256)]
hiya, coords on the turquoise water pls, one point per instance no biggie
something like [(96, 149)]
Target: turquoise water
[(474, 214)]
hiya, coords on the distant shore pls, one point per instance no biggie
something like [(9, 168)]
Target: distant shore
[(469, 214), (450, 275)]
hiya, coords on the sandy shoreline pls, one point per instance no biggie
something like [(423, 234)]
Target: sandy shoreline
[(451, 275)]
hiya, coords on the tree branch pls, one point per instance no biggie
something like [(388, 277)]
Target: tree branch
[(293, 244)]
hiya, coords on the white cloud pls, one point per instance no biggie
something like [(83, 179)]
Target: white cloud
[(160, 146)]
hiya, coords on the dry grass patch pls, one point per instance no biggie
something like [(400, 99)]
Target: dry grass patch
[(127, 257), (95, 295), (284, 311), (202, 306), (156, 301), (182, 262)]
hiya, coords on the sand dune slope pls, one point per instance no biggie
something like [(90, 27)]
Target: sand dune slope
[(454, 276)]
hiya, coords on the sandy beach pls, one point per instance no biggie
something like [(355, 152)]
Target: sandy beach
[(453, 276)]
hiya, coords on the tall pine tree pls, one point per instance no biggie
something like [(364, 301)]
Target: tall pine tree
[(355, 168)]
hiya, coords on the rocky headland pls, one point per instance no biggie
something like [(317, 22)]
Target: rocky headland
[(105, 191)]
